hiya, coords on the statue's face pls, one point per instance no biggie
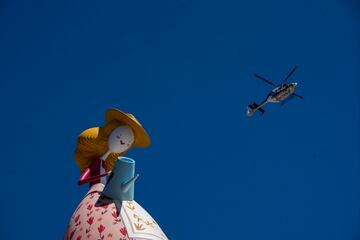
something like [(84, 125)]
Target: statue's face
[(121, 139)]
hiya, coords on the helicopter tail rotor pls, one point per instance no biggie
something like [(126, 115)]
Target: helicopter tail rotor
[(252, 107)]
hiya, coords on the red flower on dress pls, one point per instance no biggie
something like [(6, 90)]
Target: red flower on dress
[(72, 233), (109, 235), (104, 207), (115, 214), (89, 207), (77, 218), (78, 238), (90, 220), (101, 228), (123, 231)]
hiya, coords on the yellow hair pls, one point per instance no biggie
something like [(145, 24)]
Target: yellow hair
[(93, 143)]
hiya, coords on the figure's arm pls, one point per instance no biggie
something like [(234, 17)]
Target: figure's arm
[(86, 176), (91, 179)]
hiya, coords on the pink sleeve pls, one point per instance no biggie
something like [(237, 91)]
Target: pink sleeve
[(87, 177)]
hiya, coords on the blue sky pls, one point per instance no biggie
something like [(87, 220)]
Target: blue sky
[(183, 68)]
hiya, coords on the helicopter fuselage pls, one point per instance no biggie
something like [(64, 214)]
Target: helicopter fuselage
[(281, 92), (277, 95)]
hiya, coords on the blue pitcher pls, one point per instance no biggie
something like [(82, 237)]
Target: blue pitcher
[(120, 184)]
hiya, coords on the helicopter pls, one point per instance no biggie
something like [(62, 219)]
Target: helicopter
[(280, 94)]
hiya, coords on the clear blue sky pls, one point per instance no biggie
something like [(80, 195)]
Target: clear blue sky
[(183, 68)]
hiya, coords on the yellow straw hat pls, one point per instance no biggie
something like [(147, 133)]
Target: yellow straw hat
[(142, 139)]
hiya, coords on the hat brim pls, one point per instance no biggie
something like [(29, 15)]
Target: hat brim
[(142, 139)]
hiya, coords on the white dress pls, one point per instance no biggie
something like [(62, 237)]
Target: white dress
[(92, 220)]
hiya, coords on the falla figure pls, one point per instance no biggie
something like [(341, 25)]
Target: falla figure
[(108, 210)]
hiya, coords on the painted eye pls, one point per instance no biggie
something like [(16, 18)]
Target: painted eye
[(118, 137)]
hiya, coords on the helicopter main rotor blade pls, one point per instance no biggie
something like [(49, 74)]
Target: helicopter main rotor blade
[(289, 75), (265, 80), (296, 95)]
